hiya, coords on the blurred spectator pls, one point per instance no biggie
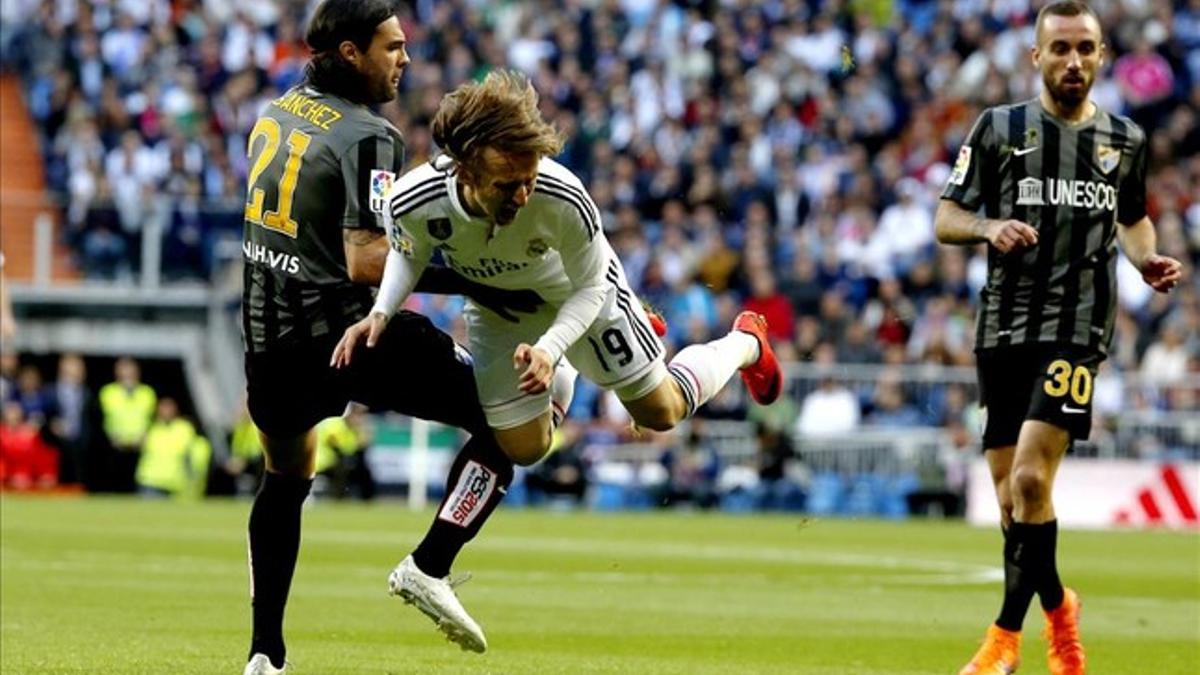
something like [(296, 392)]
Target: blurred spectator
[(890, 409), (905, 229), (36, 400), (1144, 76), (775, 489), (342, 444), (128, 407), (765, 299), (831, 409), (692, 468), (801, 287), (1166, 360), (74, 422), (858, 346), (245, 463), (26, 460), (174, 458), (563, 473)]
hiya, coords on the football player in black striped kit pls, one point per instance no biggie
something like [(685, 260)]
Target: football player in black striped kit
[(1052, 185)]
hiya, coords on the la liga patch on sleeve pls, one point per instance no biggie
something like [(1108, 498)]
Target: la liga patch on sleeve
[(381, 182), (959, 174)]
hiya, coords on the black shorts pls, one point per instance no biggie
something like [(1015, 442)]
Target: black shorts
[(1048, 382), (416, 370)]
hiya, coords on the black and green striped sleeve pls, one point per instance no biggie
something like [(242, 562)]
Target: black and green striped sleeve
[(969, 176), (369, 167)]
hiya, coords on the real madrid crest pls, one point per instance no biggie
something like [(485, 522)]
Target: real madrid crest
[(439, 228), (1107, 157), (537, 248)]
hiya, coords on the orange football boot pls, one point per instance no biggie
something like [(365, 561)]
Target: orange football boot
[(764, 377), (1064, 653), (1000, 653), (657, 322)]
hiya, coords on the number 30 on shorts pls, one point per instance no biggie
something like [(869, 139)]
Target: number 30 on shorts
[(1062, 377)]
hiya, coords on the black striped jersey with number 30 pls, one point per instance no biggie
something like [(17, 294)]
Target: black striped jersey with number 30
[(1073, 183)]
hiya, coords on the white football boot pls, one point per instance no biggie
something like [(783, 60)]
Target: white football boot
[(261, 665), (436, 598)]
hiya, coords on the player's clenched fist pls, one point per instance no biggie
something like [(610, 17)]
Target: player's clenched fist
[(538, 367), (370, 328), (1011, 235)]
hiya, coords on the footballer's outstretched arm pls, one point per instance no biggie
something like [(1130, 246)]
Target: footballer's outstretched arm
[(585, 254), (400, 275), (366, 256), (584, 257)]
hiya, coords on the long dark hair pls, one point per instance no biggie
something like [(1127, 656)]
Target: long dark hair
[(334, 22)]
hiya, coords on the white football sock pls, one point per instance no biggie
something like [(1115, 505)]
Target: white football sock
[(701, 370)]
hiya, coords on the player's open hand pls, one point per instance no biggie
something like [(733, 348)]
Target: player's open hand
[(369, 329), (538, 368), (1011, 235), (1161, 272)]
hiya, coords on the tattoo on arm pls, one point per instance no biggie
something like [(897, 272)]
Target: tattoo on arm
[(360, 237)]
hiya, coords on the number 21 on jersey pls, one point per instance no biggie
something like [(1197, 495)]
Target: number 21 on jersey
[(279, 219)]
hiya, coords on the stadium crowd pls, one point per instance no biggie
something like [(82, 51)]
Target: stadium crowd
[(782, 156)]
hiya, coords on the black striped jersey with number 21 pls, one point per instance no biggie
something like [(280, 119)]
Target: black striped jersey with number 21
[(317, 164)]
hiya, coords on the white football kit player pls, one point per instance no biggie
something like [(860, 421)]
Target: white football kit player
[(556, 247)]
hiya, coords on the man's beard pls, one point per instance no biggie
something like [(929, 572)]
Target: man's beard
[(378, 90), (1065, 95), (385, 93)]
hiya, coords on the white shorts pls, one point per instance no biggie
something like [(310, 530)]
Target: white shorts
[(619, 352)]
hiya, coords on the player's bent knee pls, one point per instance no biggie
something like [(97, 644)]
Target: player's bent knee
[(527, 444), (660, 410), (659, 419), (526, 455), (1029, 484)]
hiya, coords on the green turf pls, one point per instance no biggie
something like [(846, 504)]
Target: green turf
[(125, 586)]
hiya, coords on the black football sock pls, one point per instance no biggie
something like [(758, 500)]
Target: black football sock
[(1050, 589), (274, 547), (478, 480), (1020, 576)]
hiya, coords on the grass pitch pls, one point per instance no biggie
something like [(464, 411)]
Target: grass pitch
[(94, 585)]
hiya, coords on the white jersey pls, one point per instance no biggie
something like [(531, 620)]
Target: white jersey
[(555, 245)]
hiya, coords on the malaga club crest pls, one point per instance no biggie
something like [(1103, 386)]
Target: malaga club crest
[(1107, 157)]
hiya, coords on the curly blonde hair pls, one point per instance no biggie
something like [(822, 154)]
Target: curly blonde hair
[(501, 112)]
